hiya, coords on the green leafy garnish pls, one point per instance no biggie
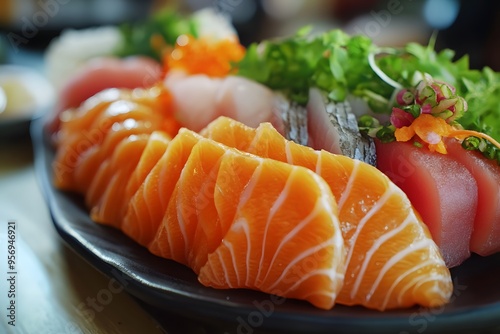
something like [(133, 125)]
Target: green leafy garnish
[(343, 65), (333, 62), (165, 26), (482, 93)]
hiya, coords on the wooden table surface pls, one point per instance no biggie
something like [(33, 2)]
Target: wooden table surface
[(56, 291)]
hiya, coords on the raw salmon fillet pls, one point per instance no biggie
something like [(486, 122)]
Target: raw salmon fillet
[(242, 221), (213, 208), (391, 259), (149, 203), (90, 133)]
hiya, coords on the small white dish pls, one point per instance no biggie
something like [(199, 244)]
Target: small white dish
[(24, 95)]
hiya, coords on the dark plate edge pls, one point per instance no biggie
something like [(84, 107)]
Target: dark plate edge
[(456, 321)]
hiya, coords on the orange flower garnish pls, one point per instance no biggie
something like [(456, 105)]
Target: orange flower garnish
[(429, 129), (203, 56)]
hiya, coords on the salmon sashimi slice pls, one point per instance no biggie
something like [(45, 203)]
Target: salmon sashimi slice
[(155, 148), (122, 174), (284, 238), (442, 190), (149, 203), (90, 160), (87, 127), (111, 103), (105, 197), (391, 259), (194, 199), (189, 229), (277, 231)]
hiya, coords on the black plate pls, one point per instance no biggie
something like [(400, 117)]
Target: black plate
[(171, 287)]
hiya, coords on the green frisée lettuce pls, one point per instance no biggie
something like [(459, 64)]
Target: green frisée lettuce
[(333, 62), (343, 65), (480, 88), (483, 97)]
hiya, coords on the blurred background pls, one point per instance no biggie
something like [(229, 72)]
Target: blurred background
[(471, 27)]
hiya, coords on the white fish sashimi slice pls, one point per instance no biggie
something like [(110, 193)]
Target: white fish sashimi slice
[(194, 98), (200, 99)]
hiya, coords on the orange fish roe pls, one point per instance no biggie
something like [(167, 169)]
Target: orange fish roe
[(203, 56)]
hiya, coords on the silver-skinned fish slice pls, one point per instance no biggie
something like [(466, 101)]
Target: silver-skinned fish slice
[(294, 118), (333, 126)]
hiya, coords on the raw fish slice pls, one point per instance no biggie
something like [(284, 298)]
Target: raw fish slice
[(283, 237), (72, 142), (83, 117), (392, 260), (485, 239), (195, 201), (294, 117), (190, 229), (128, 166), (105, 197), (156, 147), (442, 190), (199, 99), (87, 127), (334, 127), (90, 160), (111, 105), (149, 203)]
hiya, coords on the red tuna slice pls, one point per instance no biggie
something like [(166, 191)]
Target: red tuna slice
[(441, 189), (486, 233), (102, 73)]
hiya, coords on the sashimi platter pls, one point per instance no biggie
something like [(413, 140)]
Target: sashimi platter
[(313, 182)]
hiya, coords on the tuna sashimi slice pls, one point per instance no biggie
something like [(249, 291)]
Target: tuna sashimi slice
[(485, 238), (441, 189)]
